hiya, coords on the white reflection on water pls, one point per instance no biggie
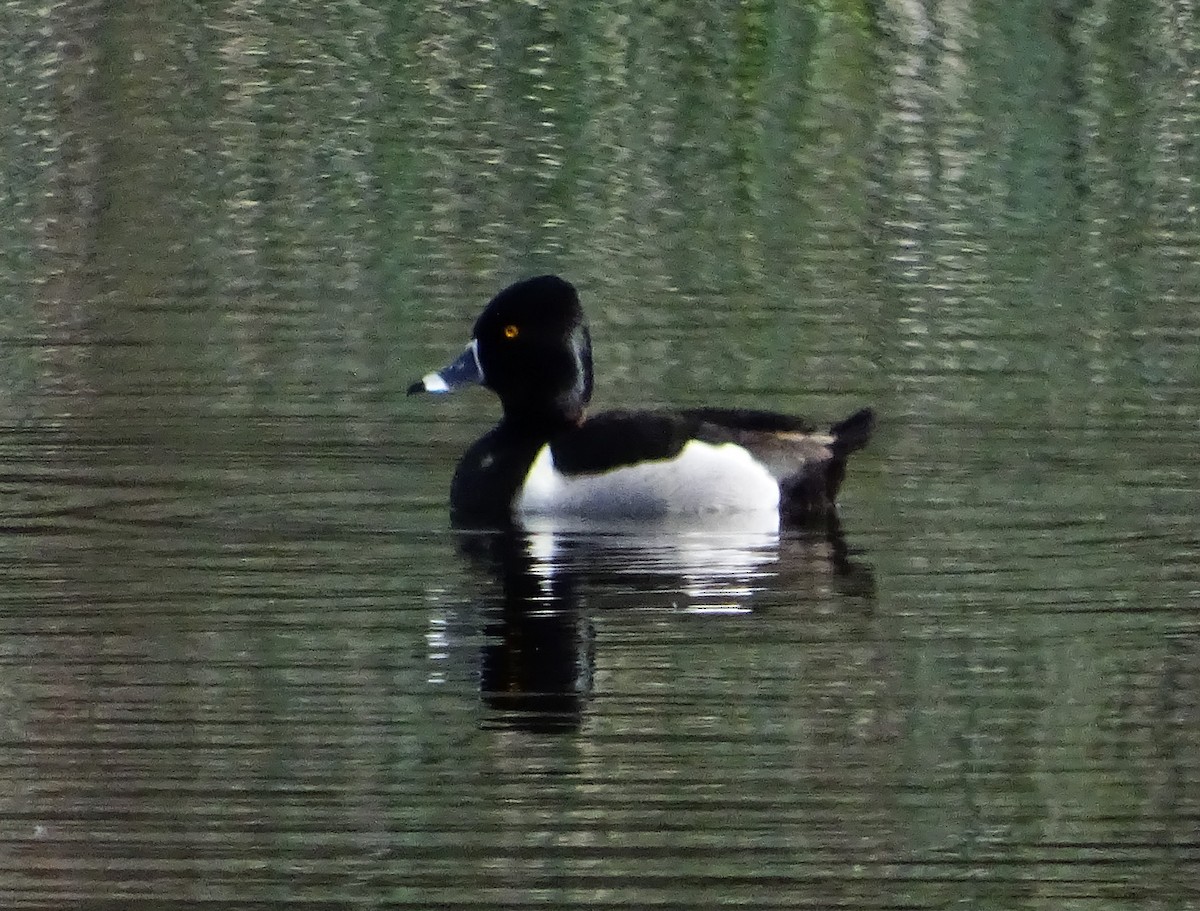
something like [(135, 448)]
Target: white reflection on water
[(721, 568), (546, 594)]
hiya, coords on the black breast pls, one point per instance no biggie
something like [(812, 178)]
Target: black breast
[(489, 475)]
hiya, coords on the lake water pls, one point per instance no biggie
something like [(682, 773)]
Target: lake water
[(246, 662)]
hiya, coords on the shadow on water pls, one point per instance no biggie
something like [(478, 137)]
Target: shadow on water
[(537, 668)]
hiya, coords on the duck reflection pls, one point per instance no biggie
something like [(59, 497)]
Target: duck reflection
[(538, 660)]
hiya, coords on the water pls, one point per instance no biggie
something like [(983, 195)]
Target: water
[(245, 661)]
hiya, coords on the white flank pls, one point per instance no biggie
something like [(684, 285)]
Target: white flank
[(703, 479), (433, 382)]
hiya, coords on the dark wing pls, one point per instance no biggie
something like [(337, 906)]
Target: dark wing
[(750, 420), (751, 428), (615, 439), (809, 463)]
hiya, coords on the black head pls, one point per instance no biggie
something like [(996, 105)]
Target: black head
[(534, 349), (531, 347)]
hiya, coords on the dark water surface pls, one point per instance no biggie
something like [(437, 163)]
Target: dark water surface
[(244, 660)]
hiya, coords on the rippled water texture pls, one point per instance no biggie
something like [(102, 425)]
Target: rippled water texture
[(246, 662)]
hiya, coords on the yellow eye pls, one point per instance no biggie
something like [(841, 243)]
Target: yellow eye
[(511, 331)]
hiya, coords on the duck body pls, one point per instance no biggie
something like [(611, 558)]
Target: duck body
[(531, 346)]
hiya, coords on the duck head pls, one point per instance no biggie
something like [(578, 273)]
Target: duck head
[(532, 348)]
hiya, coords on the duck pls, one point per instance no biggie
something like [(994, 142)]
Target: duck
[(548, 458)]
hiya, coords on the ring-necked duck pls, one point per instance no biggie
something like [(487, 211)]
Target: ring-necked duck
[(531, 347)]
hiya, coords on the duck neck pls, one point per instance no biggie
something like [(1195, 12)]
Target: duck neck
[(541, 422)]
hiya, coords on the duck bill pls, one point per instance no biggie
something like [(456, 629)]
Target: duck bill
[(465, 371)]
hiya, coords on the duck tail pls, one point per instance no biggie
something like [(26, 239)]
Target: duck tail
[(853, 433), (811, 494), (849, 436)]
